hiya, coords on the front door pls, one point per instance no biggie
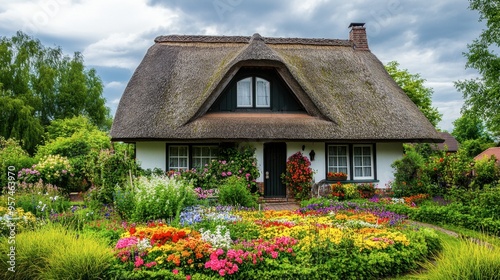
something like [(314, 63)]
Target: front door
[(274, 166)]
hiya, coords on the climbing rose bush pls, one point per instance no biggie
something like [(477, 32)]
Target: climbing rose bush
[(298, 176)]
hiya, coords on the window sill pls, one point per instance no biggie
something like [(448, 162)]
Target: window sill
[(353, 181)]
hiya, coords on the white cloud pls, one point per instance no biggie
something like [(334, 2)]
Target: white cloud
[(117, 50), (89, 20), (115, 85)]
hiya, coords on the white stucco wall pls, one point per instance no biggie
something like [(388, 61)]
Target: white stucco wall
[(151, 155), (387, 153)]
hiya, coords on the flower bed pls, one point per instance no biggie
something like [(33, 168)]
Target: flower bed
[(341, 241)]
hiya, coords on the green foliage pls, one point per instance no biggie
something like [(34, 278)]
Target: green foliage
[(107, 169), (18, 120), (486, 172), (481, 95), (12, 154), (409, 178), (470, 127), (41, 199), (298, 176), (161, 197), (124, 201), (413, 86), (67, 127), (80, 141), (40, 84), (235, 191), (54, 252), (474, 147), (465, 260)]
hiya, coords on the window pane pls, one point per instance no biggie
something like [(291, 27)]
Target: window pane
[(262, 92), (196, 152), (338, 159), (367, 161), (363, 161), (244, 93), (178, 158), (358, 171), (205, 156)]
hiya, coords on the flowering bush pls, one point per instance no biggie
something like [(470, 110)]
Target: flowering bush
[(52, 169), (161, 197), (298, 176)]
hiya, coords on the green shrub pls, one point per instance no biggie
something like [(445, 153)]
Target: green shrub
[(486, 173), (235, 191), (409, 176), (54, 252), (108, 169), (12, 154), (124, 201)]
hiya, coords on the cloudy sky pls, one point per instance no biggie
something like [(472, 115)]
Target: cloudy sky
[(424, 36)]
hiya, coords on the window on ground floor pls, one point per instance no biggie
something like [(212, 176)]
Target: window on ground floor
[(357, 161), (184, 157)]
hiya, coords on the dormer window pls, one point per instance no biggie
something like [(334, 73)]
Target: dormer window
[(253, 90)]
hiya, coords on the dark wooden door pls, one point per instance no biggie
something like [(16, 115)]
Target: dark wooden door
[(274, 166)]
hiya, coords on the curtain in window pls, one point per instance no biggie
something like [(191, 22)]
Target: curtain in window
[(244, 92), (262, 92)]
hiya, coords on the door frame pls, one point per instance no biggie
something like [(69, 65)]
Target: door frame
[(275, 154)]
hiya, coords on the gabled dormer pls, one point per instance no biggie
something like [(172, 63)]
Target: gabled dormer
[(257, 89)]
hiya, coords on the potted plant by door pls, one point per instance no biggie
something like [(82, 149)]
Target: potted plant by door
[(336, 176)]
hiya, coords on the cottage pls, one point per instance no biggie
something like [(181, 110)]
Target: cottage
[(330, 98)]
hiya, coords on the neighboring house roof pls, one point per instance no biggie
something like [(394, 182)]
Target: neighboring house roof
[(346, 92), (450, 144), (495, 151)]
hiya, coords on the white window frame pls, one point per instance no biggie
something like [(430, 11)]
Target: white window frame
[(332, 168), (267, 91), (178, 157), (362, 166), (239, 96), (212, 154)]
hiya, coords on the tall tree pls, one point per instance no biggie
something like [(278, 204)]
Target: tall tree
[(41, 84), (470, 127), (482, 95), (413, 86)]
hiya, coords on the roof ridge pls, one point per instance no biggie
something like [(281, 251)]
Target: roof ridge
[(247, 39)]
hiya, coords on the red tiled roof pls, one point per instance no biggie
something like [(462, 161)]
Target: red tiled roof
[(495, 151)]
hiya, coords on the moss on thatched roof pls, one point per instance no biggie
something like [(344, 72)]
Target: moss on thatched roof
[(347, 94)]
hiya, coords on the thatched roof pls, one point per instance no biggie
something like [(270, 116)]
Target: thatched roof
[(346, 93), (450, 144)]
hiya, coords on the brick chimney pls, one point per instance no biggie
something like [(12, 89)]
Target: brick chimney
[(358, 36)]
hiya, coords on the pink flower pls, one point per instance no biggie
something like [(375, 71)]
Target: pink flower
[(188, 277), (229, 173), (175, 271), (222, 272), (138, 261), (223, 174)]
